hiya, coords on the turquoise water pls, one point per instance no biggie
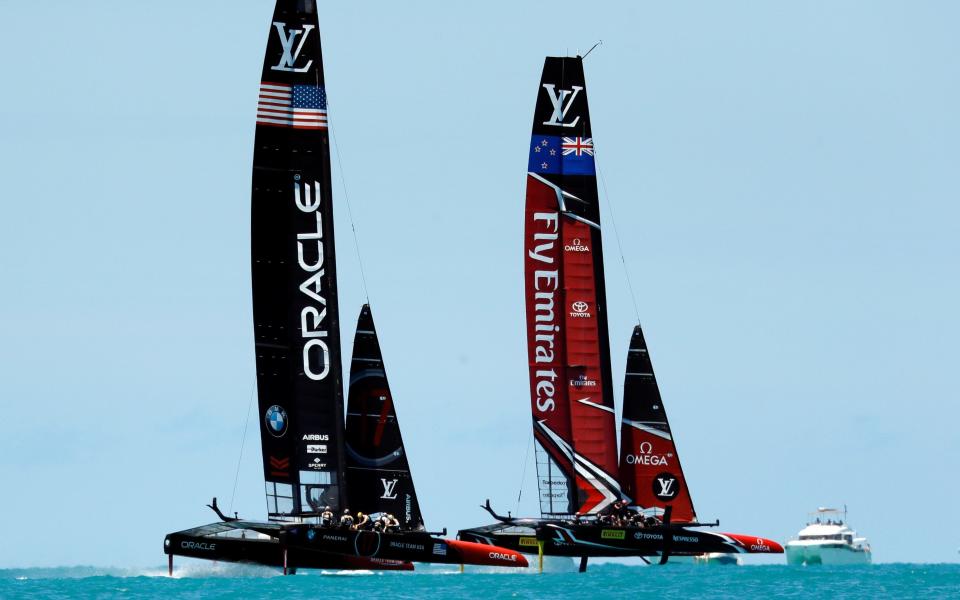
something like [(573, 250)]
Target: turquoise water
[(602, 581)]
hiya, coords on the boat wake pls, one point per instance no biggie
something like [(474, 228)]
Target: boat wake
[(357, 573), (202, 570)]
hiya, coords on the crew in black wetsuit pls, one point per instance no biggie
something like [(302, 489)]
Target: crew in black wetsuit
[(362, 521), (609, 515), (326, 517), (623, 513), (346, 521), (392, 523)]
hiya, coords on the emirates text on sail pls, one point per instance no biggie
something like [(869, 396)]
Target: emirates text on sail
[(545, 285)]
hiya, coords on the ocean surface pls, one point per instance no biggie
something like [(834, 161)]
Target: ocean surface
[(601, 581)]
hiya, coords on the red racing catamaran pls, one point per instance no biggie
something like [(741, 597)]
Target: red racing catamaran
[(593, 502)]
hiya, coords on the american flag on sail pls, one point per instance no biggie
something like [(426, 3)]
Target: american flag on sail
[(296, 106), (577, 146)]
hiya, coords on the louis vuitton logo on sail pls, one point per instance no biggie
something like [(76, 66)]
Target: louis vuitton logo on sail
[(290, 54), (388, 487), (313, 330), (561, 102), (545, 250)]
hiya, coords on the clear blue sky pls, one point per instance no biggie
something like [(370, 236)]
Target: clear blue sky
[(784, 178)]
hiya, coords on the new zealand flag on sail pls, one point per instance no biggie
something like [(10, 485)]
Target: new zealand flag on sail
[(556, 154)]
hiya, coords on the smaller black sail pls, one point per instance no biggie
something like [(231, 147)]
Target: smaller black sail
[(377, 470)]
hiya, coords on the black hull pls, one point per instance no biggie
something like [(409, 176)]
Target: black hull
[(592, 540), (293, 546), (265, 544)]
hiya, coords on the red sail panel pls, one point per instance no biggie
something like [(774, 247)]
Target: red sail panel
[(593, 420), (650, 470), (545, 344)]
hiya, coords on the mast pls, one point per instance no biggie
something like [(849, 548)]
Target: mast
[(378, 472), (568, 346), (296, 321), (650, 468)]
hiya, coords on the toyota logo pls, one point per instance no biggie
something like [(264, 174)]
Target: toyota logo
[(580, 307)]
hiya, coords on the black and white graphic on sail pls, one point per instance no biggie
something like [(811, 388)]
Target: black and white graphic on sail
[(378, 472)]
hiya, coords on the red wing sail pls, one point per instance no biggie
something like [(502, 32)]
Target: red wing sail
[(568, 350), (649, 464)]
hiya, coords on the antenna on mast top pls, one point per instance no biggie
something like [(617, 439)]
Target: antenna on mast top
[(591, 49)]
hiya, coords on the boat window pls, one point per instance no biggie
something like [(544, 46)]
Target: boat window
[(835, 536), (279, 498)]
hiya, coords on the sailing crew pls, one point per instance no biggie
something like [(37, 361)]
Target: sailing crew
[(346, 521), (623, 512), (390, 522), (326, 517), (362, 521)]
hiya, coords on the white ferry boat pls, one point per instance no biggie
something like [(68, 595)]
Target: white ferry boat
[(827, 540)]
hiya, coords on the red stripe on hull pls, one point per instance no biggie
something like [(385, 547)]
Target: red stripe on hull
[(756, 545), (472, 553)]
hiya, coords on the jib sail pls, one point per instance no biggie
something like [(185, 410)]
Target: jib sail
[(296, 324), (649, 465), (568, 348), (378, 472)]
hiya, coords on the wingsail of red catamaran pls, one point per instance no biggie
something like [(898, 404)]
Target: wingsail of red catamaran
[(312, 465), (591, 503)]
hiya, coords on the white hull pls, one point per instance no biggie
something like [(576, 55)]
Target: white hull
[(717, 558), (826, 554), (710, 558)]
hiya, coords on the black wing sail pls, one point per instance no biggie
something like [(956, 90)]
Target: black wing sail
[(378, 473), (296, 323), (650, 469)]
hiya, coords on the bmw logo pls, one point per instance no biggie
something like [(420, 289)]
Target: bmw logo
[(276, 420)]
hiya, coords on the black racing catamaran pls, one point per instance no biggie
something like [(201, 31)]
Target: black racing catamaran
[(590, 504), (312, 464)]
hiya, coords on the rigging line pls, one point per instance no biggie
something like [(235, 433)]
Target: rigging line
[(591, 49), (346, 197), (523, 476), (616, 233), (243, 441)]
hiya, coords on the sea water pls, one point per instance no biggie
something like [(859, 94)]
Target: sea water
[(601, 581)]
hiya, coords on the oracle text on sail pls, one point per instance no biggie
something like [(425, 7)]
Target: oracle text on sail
[(310, 257)]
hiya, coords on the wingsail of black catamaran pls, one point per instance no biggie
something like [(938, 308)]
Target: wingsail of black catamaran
[(315, 466), (591, 504)]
